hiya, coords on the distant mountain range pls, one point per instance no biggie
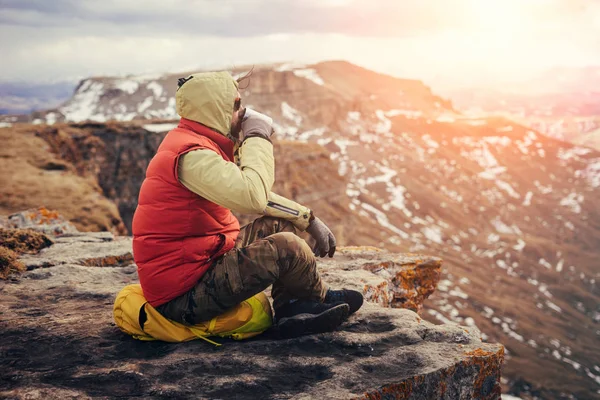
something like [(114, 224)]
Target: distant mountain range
[(561, 80), (388, 163), (24, 98), (563, 103)]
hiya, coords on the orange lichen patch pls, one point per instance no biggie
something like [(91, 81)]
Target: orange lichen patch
[(377, 294), (479, 353), (489, 365), (483, 373), (374, 267), (417, 284), (448, 373), (397, 391), (111, 261), (413, 280), (45, 216), (40, 219)]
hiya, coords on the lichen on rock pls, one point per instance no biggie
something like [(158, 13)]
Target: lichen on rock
[(41, 219), (388, 279)]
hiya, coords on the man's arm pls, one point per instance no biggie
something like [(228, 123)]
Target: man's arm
[(205, 173), (245, 189), (280, 207)]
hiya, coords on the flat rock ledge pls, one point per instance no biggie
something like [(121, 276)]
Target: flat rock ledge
[(59, 339)]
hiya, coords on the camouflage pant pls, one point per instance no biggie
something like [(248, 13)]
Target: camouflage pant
[(266, 252)]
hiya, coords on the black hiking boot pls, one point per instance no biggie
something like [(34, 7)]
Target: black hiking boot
[(351, 297), (303, 307), (309, 317)]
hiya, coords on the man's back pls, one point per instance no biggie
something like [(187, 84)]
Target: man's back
[(176, 232)]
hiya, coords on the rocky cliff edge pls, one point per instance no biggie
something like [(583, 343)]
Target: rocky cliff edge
[(59, 339)]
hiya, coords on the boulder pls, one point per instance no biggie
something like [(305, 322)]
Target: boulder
[(59, 339), (40, 219), (388, 279)]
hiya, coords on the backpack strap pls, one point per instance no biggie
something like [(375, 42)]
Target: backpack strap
[(202, 334)]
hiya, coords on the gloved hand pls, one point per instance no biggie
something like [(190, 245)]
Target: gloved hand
[(325, 241), (257, 124)]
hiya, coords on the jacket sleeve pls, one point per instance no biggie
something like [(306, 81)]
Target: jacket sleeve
[(280, 207), (244, 189)]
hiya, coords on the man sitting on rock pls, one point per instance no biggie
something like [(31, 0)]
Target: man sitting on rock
[(194, 261)]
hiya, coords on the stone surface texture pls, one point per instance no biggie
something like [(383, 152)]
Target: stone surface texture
[(59, 339)]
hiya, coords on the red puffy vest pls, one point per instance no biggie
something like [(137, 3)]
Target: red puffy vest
[(176, 233)]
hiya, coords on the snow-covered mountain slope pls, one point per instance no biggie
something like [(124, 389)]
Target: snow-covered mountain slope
[(100, 99), (152, 97), (514, 214)]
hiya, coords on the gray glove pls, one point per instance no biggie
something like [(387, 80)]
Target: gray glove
[(325, 241), (257, 124)]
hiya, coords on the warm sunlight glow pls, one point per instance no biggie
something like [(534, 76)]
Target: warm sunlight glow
[(498, 14), (499, 41), (459, 42), (499, 37)]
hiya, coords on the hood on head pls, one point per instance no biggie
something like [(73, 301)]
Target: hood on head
[(208, 98)]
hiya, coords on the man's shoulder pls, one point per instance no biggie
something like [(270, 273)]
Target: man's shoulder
[(198, 155)]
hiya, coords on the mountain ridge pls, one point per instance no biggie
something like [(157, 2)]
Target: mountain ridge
[(151, 96)]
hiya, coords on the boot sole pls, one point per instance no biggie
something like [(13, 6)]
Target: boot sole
[(306, 324)]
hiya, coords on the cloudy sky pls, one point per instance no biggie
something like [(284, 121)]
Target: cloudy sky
[(444, 40)]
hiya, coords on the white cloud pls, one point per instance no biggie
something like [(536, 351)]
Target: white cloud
[(479, 39)]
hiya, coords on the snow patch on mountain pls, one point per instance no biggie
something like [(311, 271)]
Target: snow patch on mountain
[(353, 116), (306, 135), (83, 105), (508, 189), (143, 106), (573, 202), (383, 220), (591, 173), (572, 153), (157, 90), (291, 113), (492, 172), (433, 233), (310, 74), (289, 67), (164, 127), (128, 86), (413, 114)]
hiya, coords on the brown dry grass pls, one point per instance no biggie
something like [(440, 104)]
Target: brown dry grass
[(9, 263), (31, 176), (23, 240), (14, 242)]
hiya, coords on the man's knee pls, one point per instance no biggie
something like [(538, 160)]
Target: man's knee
[(274, 224), (289, 244)]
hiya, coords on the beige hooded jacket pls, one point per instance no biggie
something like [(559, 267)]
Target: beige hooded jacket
[(244, 186)]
